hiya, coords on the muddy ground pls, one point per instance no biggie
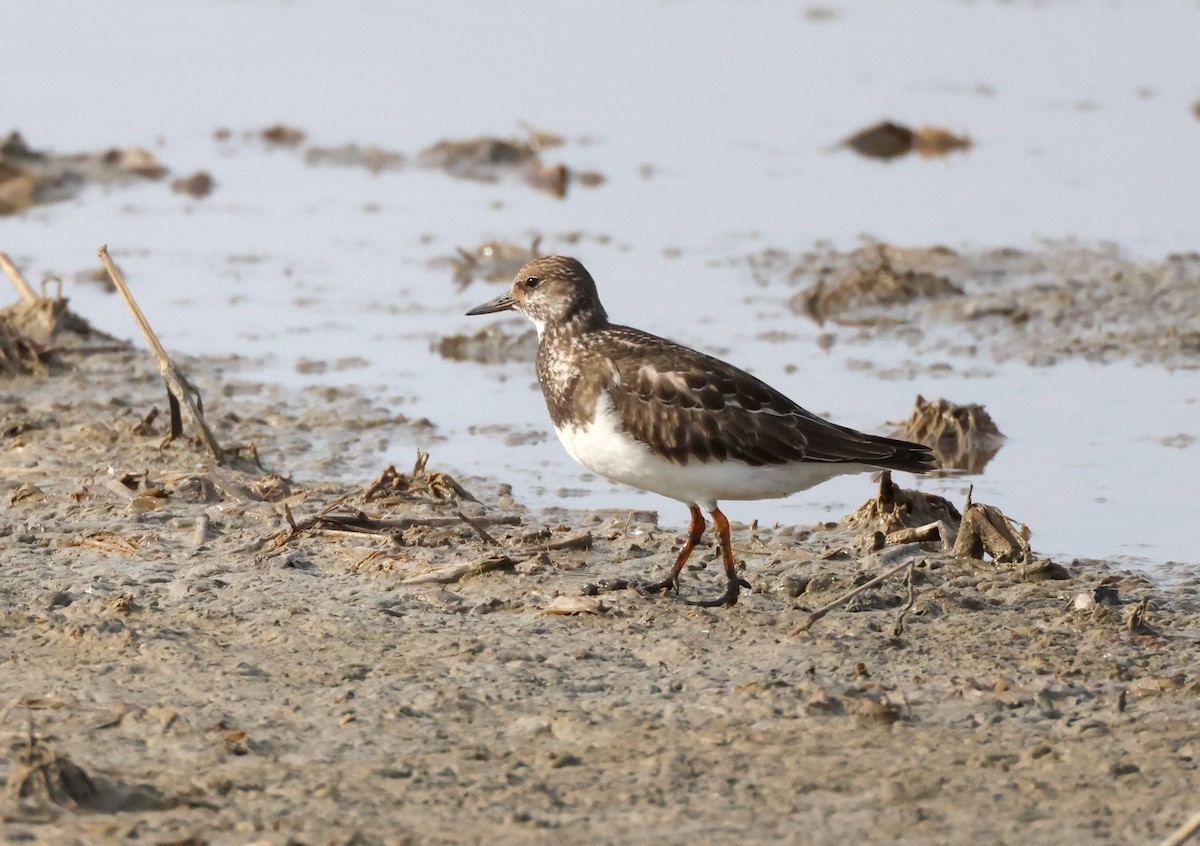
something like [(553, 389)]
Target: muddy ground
[(201, 654)]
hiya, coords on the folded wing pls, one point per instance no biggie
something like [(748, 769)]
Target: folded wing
[(708, 410)]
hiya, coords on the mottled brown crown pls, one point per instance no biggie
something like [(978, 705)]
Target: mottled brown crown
[(557, 291)]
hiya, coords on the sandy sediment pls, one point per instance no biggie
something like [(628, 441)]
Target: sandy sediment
[(224, 661)]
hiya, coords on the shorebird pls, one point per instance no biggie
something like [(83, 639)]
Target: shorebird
[(644, 411)]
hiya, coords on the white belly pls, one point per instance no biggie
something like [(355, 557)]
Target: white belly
[(604, 449)]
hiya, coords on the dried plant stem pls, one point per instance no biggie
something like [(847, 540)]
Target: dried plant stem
[(19, 282), (479, 530), (808, 621), (1185, 832), (920, 534), (179, 392)]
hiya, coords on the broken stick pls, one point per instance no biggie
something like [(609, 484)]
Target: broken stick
[(808, 621), (19, 282), (1185, 832), (179, 390)]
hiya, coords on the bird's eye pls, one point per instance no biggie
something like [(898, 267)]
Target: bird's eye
[(532, 282)]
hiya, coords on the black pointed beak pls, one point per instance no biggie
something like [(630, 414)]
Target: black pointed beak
[(504, 302)]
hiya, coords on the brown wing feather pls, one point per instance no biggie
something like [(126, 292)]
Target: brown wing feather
[(710, 410)]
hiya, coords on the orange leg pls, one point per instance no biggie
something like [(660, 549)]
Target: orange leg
[(695, 532), (732, 581)]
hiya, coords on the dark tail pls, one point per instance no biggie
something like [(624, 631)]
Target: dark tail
[(906, 456), (831, 442)]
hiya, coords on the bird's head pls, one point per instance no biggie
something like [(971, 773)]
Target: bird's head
[(551, 291)]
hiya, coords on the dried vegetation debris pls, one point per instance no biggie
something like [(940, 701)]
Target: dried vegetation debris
[(39, 329), (278, 133), (1091, 302), (283, 136), (894, 509), (896, 516)]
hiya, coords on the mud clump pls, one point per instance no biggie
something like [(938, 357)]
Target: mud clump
[(1088, 302), (280, 134), (44, 777), (897, 516), (372, 158), (888, 140), (490, 345), (200, 184), (487, 159), (878, 286), (31, 177), (491, 261), (964, 437), (985, 530), (894, 509), (482, 159)]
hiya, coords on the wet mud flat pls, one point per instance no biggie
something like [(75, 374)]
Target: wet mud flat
[(204, 652)]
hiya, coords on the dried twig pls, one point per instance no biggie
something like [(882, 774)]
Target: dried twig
[(1185, 832), (373, 526), (479, 530), (179, 391), (920, 534), (19, 282), (808, 621), (458, 572), (362, 524)]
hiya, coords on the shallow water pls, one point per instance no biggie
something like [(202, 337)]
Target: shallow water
[(736, 110)]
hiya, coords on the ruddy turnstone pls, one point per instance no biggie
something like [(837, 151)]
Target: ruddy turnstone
[(647, 412)]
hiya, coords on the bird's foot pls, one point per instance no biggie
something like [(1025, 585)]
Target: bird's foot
[(728, 599), (670, 583), (605, 586)]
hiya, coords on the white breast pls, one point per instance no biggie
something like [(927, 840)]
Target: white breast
[(605, 449)]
